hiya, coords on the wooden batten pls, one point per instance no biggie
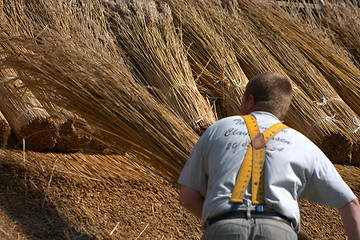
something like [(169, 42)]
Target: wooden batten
[(4, 130), (27, 118)]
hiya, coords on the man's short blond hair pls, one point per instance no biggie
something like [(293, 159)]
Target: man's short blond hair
[(272, 93)]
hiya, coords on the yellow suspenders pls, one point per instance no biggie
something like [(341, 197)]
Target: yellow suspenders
[(253, 164)]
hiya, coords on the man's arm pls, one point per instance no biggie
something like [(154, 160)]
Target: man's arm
[(350, 215), (192, 200)]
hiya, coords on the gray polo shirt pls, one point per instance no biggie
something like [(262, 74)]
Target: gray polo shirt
[(295, 168)]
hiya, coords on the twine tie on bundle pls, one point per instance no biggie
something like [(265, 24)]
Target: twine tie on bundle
[(324, 102), (356, 123), (238, 85), (27, 111)]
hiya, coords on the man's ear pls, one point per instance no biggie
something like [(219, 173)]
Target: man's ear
[(247, 105), (251, 101)]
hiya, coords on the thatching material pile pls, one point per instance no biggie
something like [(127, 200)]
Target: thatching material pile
[(4, 130), (26, 116), (337, 21), (154, 48), (74, 132), (338, 70), (302, 71), (216, 69), (149, 38), (255, 58), (85, 73), (65, 55)]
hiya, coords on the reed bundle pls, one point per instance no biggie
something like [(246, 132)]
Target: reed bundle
[(255, 58), (342, 18), (4, 130), (150, 40), (83, 75), (26, 116), (74, 133), (336, 67), (212, 58), (310, 80)]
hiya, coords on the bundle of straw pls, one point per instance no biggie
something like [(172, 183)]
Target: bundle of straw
[(26, 116), (309, 79), (82, 74), (212, 58), (255, 58), (355, 155), (342, 18), (4, 130), (74, 132), (335, 66), (150, 40)]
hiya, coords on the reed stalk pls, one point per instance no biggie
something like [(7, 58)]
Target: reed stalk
[(149, 39)]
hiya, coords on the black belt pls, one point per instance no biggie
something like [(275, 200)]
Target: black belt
[(244, 214)]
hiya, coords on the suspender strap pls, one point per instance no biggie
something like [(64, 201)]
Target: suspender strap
[(253, 163)]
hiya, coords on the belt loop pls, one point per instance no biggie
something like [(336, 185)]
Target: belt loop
[(248, 212), (234, 207), (259, 208)]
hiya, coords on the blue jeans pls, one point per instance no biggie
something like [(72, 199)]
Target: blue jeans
[(249, 229)]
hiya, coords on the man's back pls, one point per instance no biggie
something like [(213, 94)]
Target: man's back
[(291, 169)]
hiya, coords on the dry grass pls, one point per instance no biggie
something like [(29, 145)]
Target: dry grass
[(80, 72), (337, 68), (214, 64), (4, 130), (149, 38), (26, 116)]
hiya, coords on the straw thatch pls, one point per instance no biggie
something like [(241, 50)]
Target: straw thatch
[(92, 79), (74, 132), (73, 135), (149, 38), (255, 58), (4, 130), (337, 21), (212, 58), (335, 66), (26, 116), (305, 74)]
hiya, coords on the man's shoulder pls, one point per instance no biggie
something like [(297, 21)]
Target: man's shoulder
[(236, 119)]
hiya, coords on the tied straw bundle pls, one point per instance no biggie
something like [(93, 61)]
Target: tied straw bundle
[(149, 38), (212, 58), (341, 18), (93, 81), (4, 130), (26, 116), (341, 73), (254, 58), (74, 133), (303, 70)]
